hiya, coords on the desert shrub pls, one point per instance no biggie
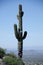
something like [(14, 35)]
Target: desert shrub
[(11, 55), (2, 52), (20, 62), (12, 60)]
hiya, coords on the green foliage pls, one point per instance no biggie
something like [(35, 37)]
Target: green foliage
[(11, 59), (11, 55), (20, 62), (2, 52)]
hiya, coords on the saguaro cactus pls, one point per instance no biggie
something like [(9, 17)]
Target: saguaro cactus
[(19, 32)]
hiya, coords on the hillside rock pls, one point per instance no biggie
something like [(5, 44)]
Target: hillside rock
[(1, 62)]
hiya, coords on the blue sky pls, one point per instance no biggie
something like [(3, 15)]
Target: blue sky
[(32, 23)]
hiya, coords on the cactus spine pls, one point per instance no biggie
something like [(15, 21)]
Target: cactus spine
[(19, 32)]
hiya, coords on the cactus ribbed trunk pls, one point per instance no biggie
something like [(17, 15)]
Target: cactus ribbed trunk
[(20, 43), (20, 49), (19, 32)]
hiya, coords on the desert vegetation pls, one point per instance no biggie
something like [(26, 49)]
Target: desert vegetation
[(2, 52), (9, 58)]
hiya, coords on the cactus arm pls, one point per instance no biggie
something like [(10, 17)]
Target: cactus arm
[(25, 34), (16, 33)]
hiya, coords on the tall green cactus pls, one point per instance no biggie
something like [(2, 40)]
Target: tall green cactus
[(19, 32)]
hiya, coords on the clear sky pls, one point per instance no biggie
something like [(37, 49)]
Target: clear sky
[(32, 23)]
